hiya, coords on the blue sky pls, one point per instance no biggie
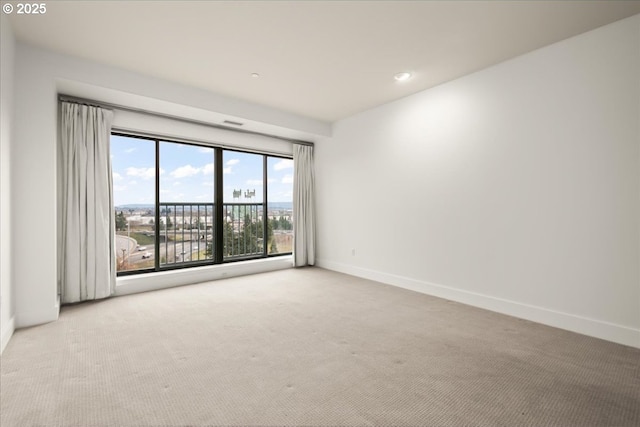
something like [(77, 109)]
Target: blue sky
[(186, 173)]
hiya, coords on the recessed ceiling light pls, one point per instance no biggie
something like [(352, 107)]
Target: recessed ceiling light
[(255, 75), (401, 77)]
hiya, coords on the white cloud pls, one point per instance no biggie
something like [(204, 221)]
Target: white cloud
[(130, 150), (205, 150), (254, 182), (287, 179), (208, 169), (145, 173), (117, 177), (229, 164), (283, 164), (208, 183), (185, 171)]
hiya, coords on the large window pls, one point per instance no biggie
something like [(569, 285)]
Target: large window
[(179, 205)]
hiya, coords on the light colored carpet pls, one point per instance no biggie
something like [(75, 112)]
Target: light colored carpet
[(309, 347)]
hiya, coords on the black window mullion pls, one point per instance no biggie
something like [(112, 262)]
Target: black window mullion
[(218, 220), (265, 204), (156, 257)]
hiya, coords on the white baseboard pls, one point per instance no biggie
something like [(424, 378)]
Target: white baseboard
[(25, 319), (6, 333), (596, 328)]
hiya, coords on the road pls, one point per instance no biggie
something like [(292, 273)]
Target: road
[(184, 251), (126, 243)]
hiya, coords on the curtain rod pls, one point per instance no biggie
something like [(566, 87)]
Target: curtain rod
[(83, 101)]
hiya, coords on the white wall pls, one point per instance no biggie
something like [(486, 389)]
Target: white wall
[(516, 188), (7, 53), (40, 75)]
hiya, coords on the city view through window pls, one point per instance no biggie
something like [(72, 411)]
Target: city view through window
[(165, 204)]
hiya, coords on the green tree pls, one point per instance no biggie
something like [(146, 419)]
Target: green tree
[(231, 242), (273, 225), (284, 224), (252, 236), (209, 251), (121, 222), (250, 240)]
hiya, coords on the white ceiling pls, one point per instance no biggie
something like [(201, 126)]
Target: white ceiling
[(324, 60)]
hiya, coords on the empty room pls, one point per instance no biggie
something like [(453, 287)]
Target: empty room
[(320, 213)]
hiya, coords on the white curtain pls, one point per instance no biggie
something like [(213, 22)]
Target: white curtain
[(304, 223), (87, 252)]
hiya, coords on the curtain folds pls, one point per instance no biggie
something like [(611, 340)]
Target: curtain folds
[(87, 250), (304, 226)]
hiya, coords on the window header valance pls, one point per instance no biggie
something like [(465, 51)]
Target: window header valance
[(67, 98)]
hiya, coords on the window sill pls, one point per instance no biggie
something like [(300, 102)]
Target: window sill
[(168, 279)]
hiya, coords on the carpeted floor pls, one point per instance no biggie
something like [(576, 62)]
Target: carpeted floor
[(309, 347)]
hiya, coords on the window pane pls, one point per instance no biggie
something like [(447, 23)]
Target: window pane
[(243, 209), (280, 205), (186, 203), (242, 177), (174, 224), (133, 168)]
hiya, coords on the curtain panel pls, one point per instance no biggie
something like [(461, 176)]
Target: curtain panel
[(304, 225), (87, 253)]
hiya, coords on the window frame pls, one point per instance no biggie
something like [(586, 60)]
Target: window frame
[(218, 206)]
